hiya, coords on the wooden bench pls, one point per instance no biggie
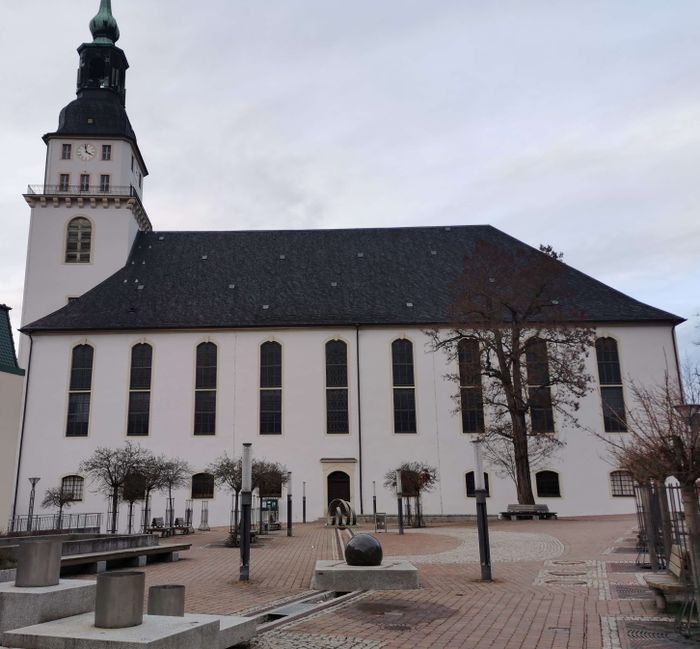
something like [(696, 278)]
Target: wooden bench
[(673, 584), (527, 511), (98, 561)]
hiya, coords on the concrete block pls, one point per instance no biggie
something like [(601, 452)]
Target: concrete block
[(342, 578), (97, 568), (173, 556), (38, 563), (233, 629), (140, 561), (20, 607), (156, 632)]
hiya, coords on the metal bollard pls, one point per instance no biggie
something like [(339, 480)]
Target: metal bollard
[(167, 600), (119, 601), (38, 564)]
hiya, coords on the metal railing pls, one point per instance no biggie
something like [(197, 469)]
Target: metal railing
[(82, 190), (55, 523)]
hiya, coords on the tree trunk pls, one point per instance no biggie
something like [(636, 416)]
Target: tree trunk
[(60, 516), (171, 505), (115, 510), (522, 460), (692, 521)]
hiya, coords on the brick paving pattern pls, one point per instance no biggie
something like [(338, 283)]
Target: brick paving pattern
[(538, 600)]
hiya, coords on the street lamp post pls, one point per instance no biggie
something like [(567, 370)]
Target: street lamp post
[(289, 503), (303, 502), (399, 500), (246, 502), (31, 503), (482, 522), (374, 497)]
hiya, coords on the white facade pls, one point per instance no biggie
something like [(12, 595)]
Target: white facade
[(304, 446), (10, 410)]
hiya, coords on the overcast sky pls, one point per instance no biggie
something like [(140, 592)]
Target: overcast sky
[(566, 122)]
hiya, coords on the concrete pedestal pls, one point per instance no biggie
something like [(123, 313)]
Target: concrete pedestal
[(342, 578), (38, 564), (156, 632), (20, 607)]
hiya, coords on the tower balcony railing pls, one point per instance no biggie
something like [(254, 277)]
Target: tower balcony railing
[(82, 190)]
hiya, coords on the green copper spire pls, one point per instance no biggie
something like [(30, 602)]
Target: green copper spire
[(104, 26)]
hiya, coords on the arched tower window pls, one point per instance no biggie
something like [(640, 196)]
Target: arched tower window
[(79, 391), (271, 388), (78, 241), (336, 387), (611, 393), (547, 484), (470, 393), (205, 390), (140, 389), (72, 487), (539, 392), (202, 486), (404, 386)]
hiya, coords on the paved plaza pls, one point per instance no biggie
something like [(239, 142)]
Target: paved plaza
[(557, 584)]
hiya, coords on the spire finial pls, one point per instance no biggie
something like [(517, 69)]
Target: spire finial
[(104, 26)]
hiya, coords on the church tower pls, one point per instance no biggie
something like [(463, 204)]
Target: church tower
[(87, 212)]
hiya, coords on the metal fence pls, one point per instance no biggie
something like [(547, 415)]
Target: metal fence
[(55, 523)]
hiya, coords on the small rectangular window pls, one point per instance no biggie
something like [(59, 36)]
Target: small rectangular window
[(106, 151), (614, 419), (84, 182), (132, 163), (140, 180), (104, 183), (64, 182), (205, 412), (66, 152), (270, 411)]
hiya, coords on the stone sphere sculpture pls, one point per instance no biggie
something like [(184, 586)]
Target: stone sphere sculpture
[(363, 550)]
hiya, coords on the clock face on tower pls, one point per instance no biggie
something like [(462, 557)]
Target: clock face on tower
[(86, 151)]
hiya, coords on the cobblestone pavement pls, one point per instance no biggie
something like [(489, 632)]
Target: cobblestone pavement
[(505, 546), (536, 601)]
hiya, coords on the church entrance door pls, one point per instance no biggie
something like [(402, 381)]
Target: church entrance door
[(338, 486)]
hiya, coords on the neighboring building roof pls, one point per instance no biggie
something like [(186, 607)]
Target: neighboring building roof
[(8, 358), (397, 276)]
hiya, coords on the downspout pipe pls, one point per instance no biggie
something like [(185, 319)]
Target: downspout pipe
[(359, 414), (24, 419)]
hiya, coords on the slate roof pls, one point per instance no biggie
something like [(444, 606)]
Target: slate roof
[(307, 278), (8, 359)]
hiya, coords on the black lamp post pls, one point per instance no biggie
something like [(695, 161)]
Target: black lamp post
[(374, 497), (399, 500), (31, 503), (289, 503), (303, 502), (246, 502), (482, 522)]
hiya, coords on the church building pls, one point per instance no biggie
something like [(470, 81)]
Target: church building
[(311, 344)]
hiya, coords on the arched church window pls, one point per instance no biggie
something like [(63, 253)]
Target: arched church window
[(611, 392), (547, 484), (404, 386), (78, 241), (140, 389), (205, 390), (79, 391), (72, 487), (202, 486), (271, 388), (336, 387), (539, 390), (470, 391)]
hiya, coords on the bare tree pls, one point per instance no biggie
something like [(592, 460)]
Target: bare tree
[(228, 472), (664, 441), (499, 452), (175, 473), (133, 490), (108, 468), (152, 474), (268, 477), (531, 351), (60, 498)]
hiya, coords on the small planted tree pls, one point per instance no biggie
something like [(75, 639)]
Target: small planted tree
[(152, 475), (175, 473), (59, 498), (108, 469), (416, 478), (133, 490), (228, 472)]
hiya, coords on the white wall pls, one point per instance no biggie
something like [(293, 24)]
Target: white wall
[(10, 408), (644, 352)]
